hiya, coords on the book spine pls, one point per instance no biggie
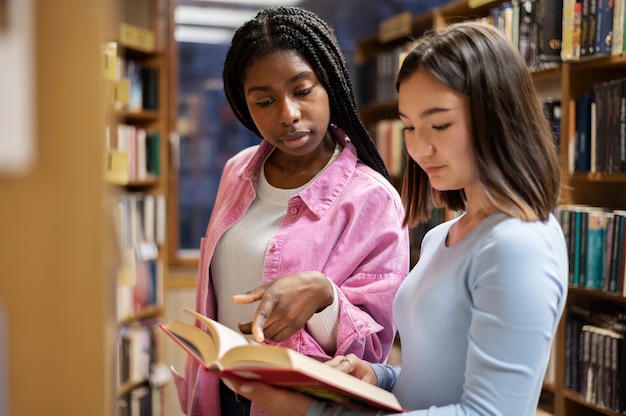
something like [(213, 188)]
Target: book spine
[(584, 28), (527, 19), (596, 157), (596, 230), (567, 44), (614, 241), (583, 133), (577, 221), (613, 138), (550, 30), (577, 35), (617, 38), (604, 27), (582, 259), (593, 26), (621, 141)]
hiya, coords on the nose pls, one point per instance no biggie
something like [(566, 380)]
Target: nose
[(289, 112), (419, 147)]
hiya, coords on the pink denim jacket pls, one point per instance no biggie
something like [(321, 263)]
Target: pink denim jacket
[(347, 224)]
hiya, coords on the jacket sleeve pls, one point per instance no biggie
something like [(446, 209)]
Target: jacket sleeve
[(377, 245)]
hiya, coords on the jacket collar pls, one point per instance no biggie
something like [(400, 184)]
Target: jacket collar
[(320, 194)]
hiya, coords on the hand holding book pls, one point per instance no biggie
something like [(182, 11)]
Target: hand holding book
[(231, 355)]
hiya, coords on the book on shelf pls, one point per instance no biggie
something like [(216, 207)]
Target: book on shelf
[(585, 27), (231, 355), (583, 133), (617, 38), (549, 22), (604, 27), (596, 244)]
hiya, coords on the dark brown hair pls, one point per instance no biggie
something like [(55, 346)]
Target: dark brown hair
[(514, 149)]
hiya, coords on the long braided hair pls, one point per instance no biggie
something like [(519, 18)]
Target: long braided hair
[(299, 30)]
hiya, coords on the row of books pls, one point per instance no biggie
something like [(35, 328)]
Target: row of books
[(533, 26), (135, 154), (142, 401), (390, 144), (561, 30), (597, 253), (592, 28), (137, 352), (599, 140), (139, 370), (546, 32), (376, 76), (134, 85), (140, 227), (595, 357)]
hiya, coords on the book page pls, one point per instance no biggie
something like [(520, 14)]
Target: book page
[(224, 337)]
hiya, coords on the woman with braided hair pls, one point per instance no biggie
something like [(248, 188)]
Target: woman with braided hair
[(306, 245)]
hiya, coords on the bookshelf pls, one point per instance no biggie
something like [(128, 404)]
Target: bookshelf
[(136, 63), (55, 299), (557, 81)]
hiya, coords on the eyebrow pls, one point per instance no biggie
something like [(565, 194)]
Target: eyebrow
[(289, 81), (427, 112)]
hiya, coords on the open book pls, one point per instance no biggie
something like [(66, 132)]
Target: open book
[(231, 355)]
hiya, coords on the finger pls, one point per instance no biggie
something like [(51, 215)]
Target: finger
[(250, 296), (335, 361), (245, 327), (263, 312), (258, 323)]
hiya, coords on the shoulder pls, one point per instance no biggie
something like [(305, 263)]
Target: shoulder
[(531, 250), (368, 182), (518, 235), (242, 159), (243, 156)]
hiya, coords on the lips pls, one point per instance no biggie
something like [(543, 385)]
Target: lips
[(431, 169), (295, 135)]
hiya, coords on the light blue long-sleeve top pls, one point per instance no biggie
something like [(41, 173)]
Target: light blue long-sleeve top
[(477, 320)]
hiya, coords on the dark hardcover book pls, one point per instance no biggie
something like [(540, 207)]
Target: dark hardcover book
[(564, 216), (597, 149), (549, 30), (604, 27), (575, 263), (150, 87), (612, 140), (618, 248), (582, 259), (586, 365), (573, 349), (593, 27), (583, 133), (621, 254), (612, 249), (526, 24), (584, 28), (153, 154), (617, 343), (606, 397), (621, 146)]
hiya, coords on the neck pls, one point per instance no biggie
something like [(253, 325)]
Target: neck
[(316, 160), (288, 172)]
